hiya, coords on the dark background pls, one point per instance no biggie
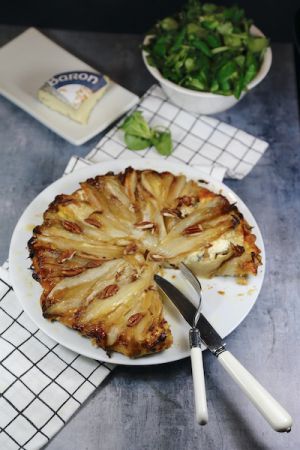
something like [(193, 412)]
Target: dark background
[(274, 17)]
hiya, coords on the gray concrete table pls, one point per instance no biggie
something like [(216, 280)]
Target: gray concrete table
[(152, 408)]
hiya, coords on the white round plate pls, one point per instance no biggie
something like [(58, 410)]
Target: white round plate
[(225, 302)]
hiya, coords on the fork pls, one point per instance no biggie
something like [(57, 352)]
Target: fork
[(196, 352)]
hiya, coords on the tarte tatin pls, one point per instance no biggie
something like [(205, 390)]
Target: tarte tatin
[(97, 251)]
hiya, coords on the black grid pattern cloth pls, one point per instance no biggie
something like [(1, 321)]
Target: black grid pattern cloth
[(42, 383), (198, 140)]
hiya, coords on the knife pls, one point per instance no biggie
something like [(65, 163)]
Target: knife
[(279, 419)]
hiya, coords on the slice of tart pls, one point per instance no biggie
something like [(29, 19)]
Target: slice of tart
[(98, 249)]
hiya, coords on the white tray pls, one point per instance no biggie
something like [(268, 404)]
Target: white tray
[(29, 60)]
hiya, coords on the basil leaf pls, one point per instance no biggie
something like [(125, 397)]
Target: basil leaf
[(193, 28), (239, 86), (169, 24), (210, 24), (178, 40), (189, 64), (195, 83), (214, 86), (225, 28), (138, 135), (160, 46), (226, 72), (136, 142), (232, 40), (136, 125), (240, 60), (217, 50), (213, 41), (201, 45), (235, 14), (250, 74), (162, 141), (257, 44)]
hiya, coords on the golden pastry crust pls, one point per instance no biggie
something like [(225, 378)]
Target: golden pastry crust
[(97, 251)]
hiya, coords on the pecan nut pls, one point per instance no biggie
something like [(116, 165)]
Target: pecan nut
[(169, 212), (192, 229), (93, 221), (108, 291), (72, 227), (134, 319), (187, 200), (156, 257), (144, 225), (130, 249)]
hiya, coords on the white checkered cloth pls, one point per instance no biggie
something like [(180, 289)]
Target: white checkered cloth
[(198, 140), (42, 383)]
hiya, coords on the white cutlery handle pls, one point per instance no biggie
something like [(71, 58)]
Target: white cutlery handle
[(272, 411), (199, 386)]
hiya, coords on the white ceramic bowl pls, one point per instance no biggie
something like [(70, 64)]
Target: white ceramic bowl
[(206, 102)]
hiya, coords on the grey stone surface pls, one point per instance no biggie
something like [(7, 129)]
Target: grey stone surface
[(152, 408)]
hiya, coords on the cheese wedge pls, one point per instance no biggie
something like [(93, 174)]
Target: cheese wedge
[(74, 94)]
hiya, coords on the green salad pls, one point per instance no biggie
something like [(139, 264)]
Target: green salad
[(207, 48)]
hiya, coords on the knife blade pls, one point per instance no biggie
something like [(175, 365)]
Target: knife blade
[(209, 335), (279, 419)]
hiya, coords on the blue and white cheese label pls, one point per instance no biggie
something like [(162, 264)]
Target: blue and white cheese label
[(75, 87)]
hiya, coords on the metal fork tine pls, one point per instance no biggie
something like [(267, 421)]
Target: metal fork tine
[(193, 280)]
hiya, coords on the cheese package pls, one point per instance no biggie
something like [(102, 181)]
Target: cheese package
[(74, 94)]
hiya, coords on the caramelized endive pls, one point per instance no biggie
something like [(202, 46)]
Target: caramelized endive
[(98, 249)]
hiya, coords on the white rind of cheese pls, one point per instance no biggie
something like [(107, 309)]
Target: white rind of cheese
[(80, 115), (205, 262)]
